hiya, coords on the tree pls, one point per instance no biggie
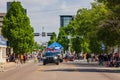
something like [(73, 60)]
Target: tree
[(87, 26), (76, 45), (110, 28), (62, 38), (52, 38), (17, 29)]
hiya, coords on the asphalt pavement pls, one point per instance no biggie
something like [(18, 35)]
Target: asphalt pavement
[(77, 70), (12, 65)]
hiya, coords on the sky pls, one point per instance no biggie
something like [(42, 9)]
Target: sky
[(44, 15)]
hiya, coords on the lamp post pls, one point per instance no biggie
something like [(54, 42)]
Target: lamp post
[(69, 38)]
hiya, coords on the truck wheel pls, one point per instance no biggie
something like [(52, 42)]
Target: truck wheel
[(44, 63), (57, 63)]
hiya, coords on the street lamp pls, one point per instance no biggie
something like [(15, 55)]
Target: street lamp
[(69, 38)]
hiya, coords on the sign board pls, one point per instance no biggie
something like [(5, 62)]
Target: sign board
[(3, 42), (79, 36), (103, 47), (36, 34), (49, 34)]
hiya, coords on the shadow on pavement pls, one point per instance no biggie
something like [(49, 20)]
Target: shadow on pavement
[(84, 64), (85, 67), (85, 70)]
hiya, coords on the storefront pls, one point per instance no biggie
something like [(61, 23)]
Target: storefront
[(3, 46)]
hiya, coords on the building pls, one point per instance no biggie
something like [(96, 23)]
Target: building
[(4, 47), (3, 43), (1, 20), (65, 19), (8, 5)]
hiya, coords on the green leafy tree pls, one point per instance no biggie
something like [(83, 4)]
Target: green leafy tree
[(87, 25), (95, 45), (62, 38), (76, 45), (35, 46), (70, 30), (85, 47), (53, 38), (17, 29), (110, 27)]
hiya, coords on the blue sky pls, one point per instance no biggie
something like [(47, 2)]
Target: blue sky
[(45, 13)]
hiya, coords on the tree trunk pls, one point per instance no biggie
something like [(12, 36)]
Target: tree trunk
[(119, 50)]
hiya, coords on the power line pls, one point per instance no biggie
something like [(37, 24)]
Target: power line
[(55, 10)]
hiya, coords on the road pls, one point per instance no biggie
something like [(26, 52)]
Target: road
[(64, 71)]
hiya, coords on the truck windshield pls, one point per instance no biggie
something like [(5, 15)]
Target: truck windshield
[(51, 53)]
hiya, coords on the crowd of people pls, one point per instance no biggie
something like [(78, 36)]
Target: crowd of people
[(14, 57), (22, 58), (108, 60)]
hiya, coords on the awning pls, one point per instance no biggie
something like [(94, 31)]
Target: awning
[(55, 45)]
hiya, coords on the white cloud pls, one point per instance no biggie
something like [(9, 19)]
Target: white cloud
[(46, 12), (3, 5), (30, 4), (68, 9), (71, 7), (40, 2), (64, 5), (48, 2)]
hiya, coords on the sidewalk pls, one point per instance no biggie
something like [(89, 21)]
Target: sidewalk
[(101, 67), (12, 65), (9, 65)]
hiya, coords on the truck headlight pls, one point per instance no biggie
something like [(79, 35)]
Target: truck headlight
[(44, 57), (55, 57)]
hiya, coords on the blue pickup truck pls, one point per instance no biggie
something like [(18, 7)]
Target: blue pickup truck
[(52, 57)]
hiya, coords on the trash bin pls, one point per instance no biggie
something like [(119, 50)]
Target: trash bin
[(2, 66)]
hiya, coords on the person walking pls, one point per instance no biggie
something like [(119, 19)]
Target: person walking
[(21, 58), (17, 61), (101, 59), (88, 57), (35, 58)]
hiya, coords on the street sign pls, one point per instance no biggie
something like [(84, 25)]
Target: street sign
[(49, 34), (103, 47), (36, 34)]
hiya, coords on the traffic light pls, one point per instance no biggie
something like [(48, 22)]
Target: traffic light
[(43, 34)]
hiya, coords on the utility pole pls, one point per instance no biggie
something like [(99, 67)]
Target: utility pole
[(69, 38), (43, 32)]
